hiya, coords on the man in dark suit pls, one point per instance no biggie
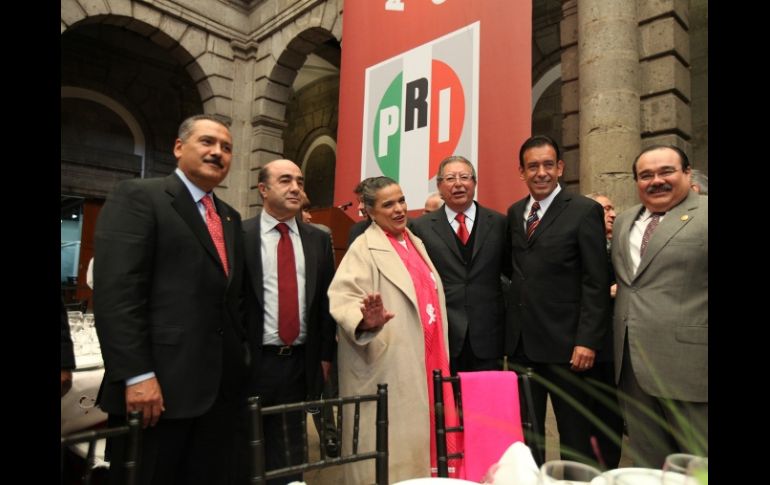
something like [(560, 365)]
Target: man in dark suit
[(168, 311), (470, 266), (558, 296), (289, 367), (660, 254)]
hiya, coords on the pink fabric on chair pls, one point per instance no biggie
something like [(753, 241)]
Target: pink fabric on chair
[(491, 418)]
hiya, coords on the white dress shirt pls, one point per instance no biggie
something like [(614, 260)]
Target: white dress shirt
[(269, 254), (637, 232), (470, 217), (544, 205)]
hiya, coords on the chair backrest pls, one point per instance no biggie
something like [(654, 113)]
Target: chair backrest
[(256, 436), (526, 407), (130, 461)]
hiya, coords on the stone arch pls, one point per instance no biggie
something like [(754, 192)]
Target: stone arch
[(123, 113), (207, 57), (318, 162), (544, 82), (275, 76)]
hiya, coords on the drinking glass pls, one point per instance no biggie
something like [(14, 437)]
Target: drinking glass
[(675, 468), (568, 472), (698, 471)]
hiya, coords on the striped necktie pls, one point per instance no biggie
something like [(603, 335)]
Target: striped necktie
[(532, 219)]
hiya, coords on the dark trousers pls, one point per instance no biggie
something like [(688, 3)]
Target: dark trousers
[(328, 430), (180, 451), (467, 361), (278, 379), (675, 427), (564, 386), (606, 410)]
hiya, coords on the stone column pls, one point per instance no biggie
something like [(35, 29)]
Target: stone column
[(570, 101), (268, 112), (664, 57), (609, 76)]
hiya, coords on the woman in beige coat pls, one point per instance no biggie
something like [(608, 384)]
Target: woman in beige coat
[(376, 298)]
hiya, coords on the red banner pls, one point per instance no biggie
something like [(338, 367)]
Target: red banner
[(425, 79)]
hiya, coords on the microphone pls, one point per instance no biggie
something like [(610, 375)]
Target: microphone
[(345, 205)]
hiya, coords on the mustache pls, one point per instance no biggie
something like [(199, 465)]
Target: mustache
[(664, 187), (215, 160)]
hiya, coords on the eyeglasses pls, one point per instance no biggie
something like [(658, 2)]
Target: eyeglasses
[(650, 176), (454, 177)]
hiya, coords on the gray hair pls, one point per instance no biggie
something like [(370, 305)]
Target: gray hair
[(451, 159), (594, 195), (370, 189), (701, 180), (186, 128)]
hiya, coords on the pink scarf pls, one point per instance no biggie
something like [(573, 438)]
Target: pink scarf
[(435, 355)]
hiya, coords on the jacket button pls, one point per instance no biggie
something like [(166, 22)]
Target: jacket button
[(220, 331)]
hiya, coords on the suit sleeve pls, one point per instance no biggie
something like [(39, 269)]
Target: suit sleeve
[(328, 327), (124, 243), (595, 298)]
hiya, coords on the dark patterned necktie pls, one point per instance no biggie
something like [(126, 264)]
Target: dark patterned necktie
[(532, 219), (462, 229), (654, 220), (214, 223), (288, 301)]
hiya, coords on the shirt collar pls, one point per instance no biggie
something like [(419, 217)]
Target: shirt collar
[(470, 213), (269, 222), (545, 203), (197, 193)]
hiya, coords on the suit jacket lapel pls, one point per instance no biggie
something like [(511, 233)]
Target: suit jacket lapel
[(187, 209), (518, 219), (481, 226), (558, 204), (443, 229), (673, 222), (621, 235), (228, 229), (389, 262), (311, 264)]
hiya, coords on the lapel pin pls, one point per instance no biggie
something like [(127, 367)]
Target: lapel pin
[(228, 218), (684, 217)]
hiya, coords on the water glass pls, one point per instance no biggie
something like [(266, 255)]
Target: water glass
[(567, 472), (698, 471), (675, 468)]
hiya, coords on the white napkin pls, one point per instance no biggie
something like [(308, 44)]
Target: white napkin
[(516, 467)]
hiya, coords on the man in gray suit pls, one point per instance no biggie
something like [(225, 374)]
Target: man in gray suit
[(660, 255), (469, 259)]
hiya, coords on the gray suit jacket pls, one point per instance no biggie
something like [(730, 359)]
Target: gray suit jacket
[(474, 298), (664, 306)]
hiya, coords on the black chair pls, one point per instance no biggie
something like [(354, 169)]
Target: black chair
[(257, 444), (526, 407), (132, 430)]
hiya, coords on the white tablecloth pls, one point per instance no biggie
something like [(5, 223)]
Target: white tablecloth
[(77, 406)]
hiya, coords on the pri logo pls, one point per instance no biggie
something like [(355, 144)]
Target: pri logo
[(420, 107)]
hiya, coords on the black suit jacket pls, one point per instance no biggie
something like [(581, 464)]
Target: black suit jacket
[(320, 342), (162, 302), (474, 297), (559, 294)]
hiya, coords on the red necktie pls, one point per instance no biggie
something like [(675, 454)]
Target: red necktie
[(288, 301), (214, 223), (532, 219), (462, 230), (654, 220)]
